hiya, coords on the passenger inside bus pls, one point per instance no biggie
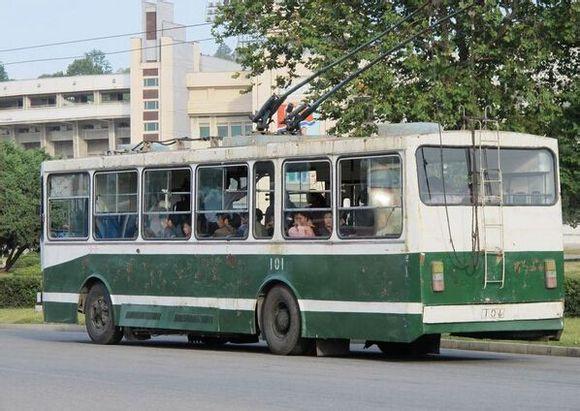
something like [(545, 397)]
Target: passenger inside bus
[(224, 229), (302, 226)]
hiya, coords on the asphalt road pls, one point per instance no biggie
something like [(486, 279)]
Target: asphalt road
[(52, 370)]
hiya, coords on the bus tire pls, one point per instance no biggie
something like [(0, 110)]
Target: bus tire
[(281, 323), (100, 317)]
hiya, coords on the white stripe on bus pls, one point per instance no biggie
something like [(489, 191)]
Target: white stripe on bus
[(431, 314), (360, 307)]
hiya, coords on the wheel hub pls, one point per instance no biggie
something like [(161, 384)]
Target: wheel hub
[(282, 320)]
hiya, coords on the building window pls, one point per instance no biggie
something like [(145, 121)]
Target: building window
[(236, 130), (204, 130), (151, 82), (153, 126), (31, 146), (248, 129), (370, 202), (167, 204), (79, 98), (223, 130), (263, 199), (115, 208), (10, 103), (151, 105), (68, 206), (63, 149), (115, 96), (307, 199), (222, 202), (43, 101)]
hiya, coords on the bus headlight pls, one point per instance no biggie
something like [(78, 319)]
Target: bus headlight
[(551, 273), (437, 277)]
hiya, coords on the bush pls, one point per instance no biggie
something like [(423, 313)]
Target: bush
[(572, 292), (28, 265), (19, 291)]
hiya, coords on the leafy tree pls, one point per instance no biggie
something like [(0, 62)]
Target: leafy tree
[(518, 57), (94, 62), (224, 52), (59, 73), (19, 201), (3, 73)]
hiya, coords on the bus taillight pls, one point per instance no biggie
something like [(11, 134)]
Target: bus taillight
[(550, 270), (438, 280)]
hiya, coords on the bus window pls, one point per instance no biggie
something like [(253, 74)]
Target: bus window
[(167, 204), (370, 197), (527, 176), (222, 202), (307, 199), (68, 206), (264, 199), (115, 205)]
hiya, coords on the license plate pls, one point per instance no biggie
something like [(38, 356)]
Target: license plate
[(492, 313)]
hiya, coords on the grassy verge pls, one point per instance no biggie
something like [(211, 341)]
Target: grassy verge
[(25, 316), (572, 269), (570, 337), (20, 316)]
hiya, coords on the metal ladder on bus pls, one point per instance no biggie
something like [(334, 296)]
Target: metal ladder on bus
[(491, 200)]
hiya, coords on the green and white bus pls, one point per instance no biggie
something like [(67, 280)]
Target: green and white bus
[(391, 240)]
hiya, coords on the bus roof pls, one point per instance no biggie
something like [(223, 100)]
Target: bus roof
[(281, 146)]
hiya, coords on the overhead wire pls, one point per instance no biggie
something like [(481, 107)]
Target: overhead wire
[(10, 63), (112, 36)]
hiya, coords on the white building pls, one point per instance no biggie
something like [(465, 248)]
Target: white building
[(172, 91)]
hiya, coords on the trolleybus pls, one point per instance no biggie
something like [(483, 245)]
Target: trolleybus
[(392, 240)]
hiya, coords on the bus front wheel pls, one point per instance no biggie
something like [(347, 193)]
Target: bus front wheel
[(99, 317), (281, 323)]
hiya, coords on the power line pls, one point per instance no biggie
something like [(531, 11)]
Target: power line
[(105, 53), (113, 36)]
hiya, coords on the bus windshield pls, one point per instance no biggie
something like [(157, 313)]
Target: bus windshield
[(527, 175)]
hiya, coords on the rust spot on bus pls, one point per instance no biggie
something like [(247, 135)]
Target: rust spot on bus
[(231, 260)]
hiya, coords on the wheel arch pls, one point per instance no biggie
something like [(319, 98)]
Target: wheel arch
[(265, 287), (87, 284)]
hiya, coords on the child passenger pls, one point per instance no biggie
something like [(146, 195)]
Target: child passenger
[(302, 226)]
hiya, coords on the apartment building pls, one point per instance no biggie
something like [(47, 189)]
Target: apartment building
[(172, 90)]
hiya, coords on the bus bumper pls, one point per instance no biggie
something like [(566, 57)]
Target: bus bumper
[(538, 320)]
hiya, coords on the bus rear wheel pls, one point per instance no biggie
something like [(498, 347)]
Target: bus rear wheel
[(281, 323), (99, 317)]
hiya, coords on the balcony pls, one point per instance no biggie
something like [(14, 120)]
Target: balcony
[(111, 110)]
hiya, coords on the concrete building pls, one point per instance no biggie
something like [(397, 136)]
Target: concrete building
[(172, 91)]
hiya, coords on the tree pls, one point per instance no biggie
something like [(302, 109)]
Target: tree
[(3, 73), (94, 62), (19, 201), (224, 52), (59, 73), (518, 57)]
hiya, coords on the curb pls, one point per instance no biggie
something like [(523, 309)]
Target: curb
[(511, 348), (44, 327)]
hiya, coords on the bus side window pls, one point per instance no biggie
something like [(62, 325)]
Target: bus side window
[(307, 199), (167, 204), (68, 206), (115, 205), (263, 199), (370, 198), (222, 202)]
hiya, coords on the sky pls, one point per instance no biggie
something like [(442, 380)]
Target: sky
[(33, 22)]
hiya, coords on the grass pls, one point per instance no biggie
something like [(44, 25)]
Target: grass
[(25, 316), (20, 316), (572, 269)]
